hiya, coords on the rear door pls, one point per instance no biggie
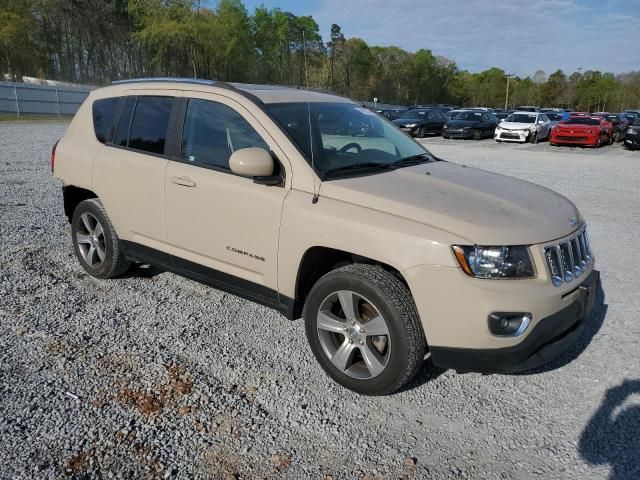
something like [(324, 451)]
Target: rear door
[(222, 226), (128, 174)]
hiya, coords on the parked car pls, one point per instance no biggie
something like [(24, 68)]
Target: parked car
[(469, 124), (481, 109), (392, 114), (395, 260), (421, 122), (582, 130), (527, 108), (554, 117), (632, 135), (614, 119), (523, 126)]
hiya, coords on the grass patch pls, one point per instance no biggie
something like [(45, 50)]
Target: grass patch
[(12, 117)]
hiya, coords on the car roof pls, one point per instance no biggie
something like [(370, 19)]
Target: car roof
[(264, 93)]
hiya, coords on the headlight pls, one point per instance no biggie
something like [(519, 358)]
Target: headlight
[(495, 262), (588, 131), (411, 125), (445, 126), (533, 128)]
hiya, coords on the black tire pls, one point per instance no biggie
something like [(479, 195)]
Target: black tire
[(420, 133), (477, 135), (393, 301), (114, 262), (534, 137)]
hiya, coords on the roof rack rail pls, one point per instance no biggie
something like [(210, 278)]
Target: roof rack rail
[(199, 81)]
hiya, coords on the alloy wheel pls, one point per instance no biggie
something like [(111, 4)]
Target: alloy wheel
[(90, 240), (353, 334)]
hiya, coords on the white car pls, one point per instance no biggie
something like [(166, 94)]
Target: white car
[(522, 127)]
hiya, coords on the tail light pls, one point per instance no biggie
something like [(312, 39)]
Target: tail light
[(53, 156)]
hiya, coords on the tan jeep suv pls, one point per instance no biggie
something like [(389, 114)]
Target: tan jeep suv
[(311, 204)]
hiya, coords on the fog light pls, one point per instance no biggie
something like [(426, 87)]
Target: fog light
[(509, 324)]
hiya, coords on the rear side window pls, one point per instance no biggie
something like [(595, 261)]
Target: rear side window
[(103, 112), (149, 125), (212, 132)]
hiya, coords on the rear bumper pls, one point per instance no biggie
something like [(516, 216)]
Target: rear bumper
[(551, 337)]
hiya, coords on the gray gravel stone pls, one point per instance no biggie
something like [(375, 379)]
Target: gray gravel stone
[(178, 380)]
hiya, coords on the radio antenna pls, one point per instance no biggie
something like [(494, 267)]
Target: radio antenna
[(314, 200)]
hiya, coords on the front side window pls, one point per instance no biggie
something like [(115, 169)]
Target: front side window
[(344, 136), (212, 132), (149, 125), (103, 112)]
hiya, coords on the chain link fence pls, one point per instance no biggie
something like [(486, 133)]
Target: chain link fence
[(28, 99)]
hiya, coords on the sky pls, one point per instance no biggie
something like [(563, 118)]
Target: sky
[(518, 36)]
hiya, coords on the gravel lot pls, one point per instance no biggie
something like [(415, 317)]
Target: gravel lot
[(155, 376)]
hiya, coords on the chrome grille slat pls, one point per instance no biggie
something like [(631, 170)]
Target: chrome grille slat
[(568, 259)]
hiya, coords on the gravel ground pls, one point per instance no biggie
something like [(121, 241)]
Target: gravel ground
[(155, 376)]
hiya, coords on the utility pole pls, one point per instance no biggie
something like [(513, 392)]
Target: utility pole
[(506, 98)]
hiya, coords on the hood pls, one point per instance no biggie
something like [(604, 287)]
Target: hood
[(463, 123), (515, 126), (576, 127), (483, 207), (406, 121)]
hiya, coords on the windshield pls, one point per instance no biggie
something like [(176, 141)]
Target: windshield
[(521, 118), (344, 135), (554, 116), (472, 116), (582, 121)]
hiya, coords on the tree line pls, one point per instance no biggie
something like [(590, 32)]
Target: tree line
[(97, 41)]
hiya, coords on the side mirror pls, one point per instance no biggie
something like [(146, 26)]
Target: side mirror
[(251, 162)]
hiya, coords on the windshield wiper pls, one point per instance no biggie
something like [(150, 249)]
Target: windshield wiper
[(412, 160), (357, 166)]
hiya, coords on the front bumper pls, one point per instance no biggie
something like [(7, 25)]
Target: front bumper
[(457, 133), (632, 141), (512, 135), (575, 139), (410, 130), (551, 337)]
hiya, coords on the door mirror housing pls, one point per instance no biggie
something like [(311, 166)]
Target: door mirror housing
[(251, 162)]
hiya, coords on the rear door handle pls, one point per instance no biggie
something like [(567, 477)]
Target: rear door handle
[(184, 181)]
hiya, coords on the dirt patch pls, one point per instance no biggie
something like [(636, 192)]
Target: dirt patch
[(146, 403), (78, 463)]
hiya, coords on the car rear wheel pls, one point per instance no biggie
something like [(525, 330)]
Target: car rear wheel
[(364, 330), (95, 241)]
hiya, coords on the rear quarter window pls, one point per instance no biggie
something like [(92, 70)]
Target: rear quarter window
[(103, 113)]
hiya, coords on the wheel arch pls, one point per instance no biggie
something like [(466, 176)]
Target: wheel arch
[(317, 261), (72, 196)]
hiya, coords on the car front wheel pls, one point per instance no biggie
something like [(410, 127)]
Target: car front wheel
[(364, 330)]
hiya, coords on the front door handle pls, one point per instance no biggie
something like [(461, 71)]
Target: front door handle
[(184, 181)]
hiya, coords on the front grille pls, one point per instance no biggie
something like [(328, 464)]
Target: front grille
[(572, 137), (510, 135), (569, 259)]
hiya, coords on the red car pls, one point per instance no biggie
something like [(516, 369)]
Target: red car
[(582, 130)]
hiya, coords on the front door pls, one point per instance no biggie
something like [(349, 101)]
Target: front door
[(222, 226)]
